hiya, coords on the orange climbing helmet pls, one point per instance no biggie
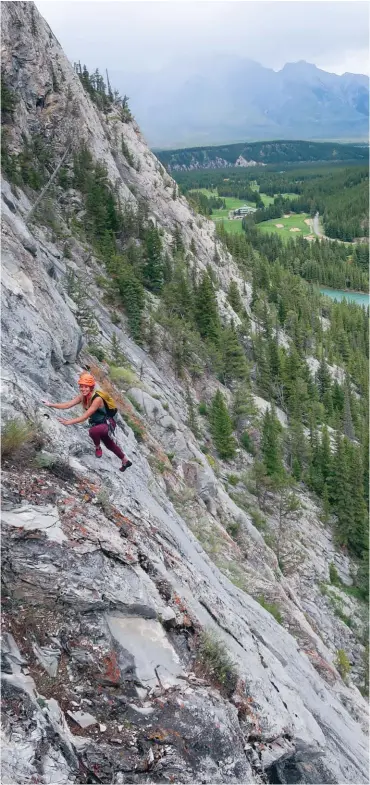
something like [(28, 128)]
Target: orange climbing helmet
[(86, 379)]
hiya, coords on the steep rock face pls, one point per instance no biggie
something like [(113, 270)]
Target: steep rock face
[(106, 588)]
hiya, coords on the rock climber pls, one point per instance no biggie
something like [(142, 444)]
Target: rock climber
[(99, 414)]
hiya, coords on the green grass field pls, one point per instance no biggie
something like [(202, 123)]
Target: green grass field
[(290, 196), (231, 204), (286, 225), (267, 200), (205, 191), (235, 227)]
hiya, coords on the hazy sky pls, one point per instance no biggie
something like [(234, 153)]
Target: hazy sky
[(142, 36)]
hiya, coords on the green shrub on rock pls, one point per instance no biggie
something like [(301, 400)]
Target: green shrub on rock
[(216, 661)]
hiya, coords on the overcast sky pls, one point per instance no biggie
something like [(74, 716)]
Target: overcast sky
[(140, 36)]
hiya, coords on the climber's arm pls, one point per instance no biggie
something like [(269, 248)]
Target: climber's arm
[(94, 406), (66, 405)]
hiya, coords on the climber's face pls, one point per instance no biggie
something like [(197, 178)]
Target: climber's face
[(85, 389)]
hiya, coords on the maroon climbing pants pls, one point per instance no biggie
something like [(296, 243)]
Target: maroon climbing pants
[(99, 433)]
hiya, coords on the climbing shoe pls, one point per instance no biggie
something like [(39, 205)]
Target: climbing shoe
[(125, 465), (98, 452)]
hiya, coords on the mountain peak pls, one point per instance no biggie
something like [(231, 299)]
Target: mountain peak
[(241, 99), (301, 65)]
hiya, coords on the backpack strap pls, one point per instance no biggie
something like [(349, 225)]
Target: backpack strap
[(96, 395)]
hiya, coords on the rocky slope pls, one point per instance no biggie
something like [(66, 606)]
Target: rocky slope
[(109, 580)]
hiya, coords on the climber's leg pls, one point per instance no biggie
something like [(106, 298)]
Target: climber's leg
[(96, 433)]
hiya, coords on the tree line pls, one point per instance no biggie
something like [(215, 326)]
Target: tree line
[(319, 261)]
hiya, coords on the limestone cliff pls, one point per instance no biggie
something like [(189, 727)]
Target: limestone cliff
[(109, 579)]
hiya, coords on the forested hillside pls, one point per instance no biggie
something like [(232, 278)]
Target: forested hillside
[(275, 152), (340, 195), (341, 198), (281, 301)]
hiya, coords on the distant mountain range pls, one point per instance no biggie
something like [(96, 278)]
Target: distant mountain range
[(250, 154), (229, 99)]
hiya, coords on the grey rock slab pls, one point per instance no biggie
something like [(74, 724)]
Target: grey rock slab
[(48, 658), (167, 615), (31, 740), (152, 406), (201, 478), (146, 711), (168, 422), (262, 405), (11, 653), (60, 725), (45, 519), (146, 640), (83, 718)]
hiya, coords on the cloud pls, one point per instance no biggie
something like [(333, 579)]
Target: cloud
[(145, 36)]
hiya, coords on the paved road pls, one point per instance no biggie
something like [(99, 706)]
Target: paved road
[(316, 225)]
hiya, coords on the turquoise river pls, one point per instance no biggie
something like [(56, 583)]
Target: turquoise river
[(338, 294)]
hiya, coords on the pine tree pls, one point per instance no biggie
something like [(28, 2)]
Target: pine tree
[(243, 407), (362, 577), (177, 242), (288, 505), (315, 478), (222, 427), (177, 295), (192, 420), (234, 297), (263, 370), (274, 359), (357, 531), (206, 311), (108, 252), (151, 336), (167, 268), (325, 455), (153, 270), (271, 448), (365, 462), (216, 256), (132, 294), (323, 379), (290, 373), (221, 231), (78, 291), (194, 276), (297, 449), (116, 353), (337, 397), (296, 469), (340, 491), (347, 415), (325, 504), (234, 362)]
